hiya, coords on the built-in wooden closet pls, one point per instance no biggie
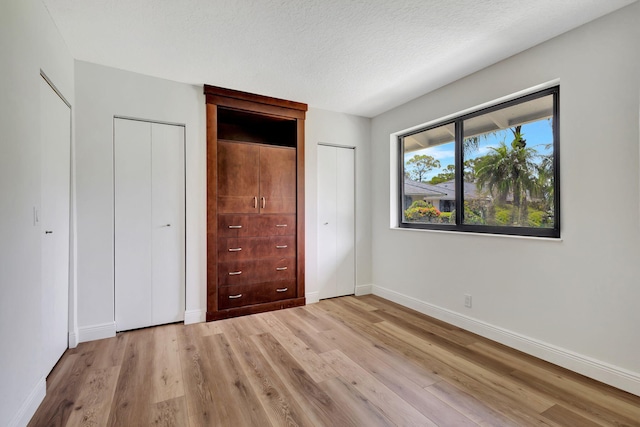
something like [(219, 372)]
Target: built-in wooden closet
[(255, 203)]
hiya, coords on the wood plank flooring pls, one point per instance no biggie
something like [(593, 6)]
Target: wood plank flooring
[(351, 361)]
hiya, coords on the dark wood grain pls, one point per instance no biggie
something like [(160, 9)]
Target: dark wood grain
[(246, 272), (248, 294), (251, 97), (238, 177), (233, 249), (239, 124), (212, 207), (277, 180), (300, 210)]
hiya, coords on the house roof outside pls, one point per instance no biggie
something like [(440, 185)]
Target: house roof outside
[(443, 191)]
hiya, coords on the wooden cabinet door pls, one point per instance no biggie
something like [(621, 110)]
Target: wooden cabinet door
[(238, 177), (277, 180)]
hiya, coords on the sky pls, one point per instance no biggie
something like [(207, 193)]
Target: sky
[(537, 135)]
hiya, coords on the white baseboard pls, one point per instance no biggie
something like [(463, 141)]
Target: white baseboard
[(364, 289), (312, 297), (587, 366), (96, 332), (194, 316), (30, 405), (73, 339)]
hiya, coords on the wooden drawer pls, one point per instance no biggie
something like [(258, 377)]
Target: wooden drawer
[(256, 225), (256, 271), (234, 225), (274, 225), (241, 295), (234, 249)]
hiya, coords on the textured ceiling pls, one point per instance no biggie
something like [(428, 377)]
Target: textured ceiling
[(356, 56)]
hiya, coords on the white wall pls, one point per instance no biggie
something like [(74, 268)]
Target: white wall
[(572, 301), (29, 43), (101, 93), (346, 130)]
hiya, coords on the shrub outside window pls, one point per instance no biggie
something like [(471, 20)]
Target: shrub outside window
[(495, 170)]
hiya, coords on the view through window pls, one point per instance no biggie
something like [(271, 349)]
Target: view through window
[(494, 171)]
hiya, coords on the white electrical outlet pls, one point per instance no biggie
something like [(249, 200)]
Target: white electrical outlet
[(467, 300)]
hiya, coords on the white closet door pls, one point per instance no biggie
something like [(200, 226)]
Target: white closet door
[(133, 262), (149, 223), (336, 221), (345, 222), (168, 223), (55, 128)]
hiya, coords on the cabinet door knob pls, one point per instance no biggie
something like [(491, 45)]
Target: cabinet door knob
[(255, 202), (264, 202)]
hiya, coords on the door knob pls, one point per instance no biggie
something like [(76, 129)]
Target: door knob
[(326, 223), (48, 232)]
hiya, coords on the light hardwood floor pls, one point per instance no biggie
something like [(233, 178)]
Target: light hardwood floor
[(351, 361)]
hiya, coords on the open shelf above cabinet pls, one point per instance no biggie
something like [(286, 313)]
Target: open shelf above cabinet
[(236, 125)]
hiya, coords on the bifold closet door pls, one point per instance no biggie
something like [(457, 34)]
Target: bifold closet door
[(336, 221), (55, 128), (149, 223)]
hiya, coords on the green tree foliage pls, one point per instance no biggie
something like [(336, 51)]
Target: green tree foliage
[(447, 174), (419, 166), (473, 214), (469, 170), (545, 180), (510, 170)]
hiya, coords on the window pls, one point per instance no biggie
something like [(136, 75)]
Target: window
[(491, 171)]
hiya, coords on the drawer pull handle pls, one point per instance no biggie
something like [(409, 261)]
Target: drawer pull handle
[(264, 202), (235, 249), (255, 202), (281, 246), (234, 273), (281, 225), (235, 296), (282, 290), (281, 268), (235, 226)]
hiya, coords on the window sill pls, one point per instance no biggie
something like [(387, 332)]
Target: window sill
[(462, 233)]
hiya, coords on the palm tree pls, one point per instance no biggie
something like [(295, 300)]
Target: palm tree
[(545, 180), (510, 170)]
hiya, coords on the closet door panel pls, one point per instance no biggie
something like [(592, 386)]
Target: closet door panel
[(336, 221), (168, 223), (277, 180), (345, 222), (327, 227), (133, 219), (55, 128), (238, 177)]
